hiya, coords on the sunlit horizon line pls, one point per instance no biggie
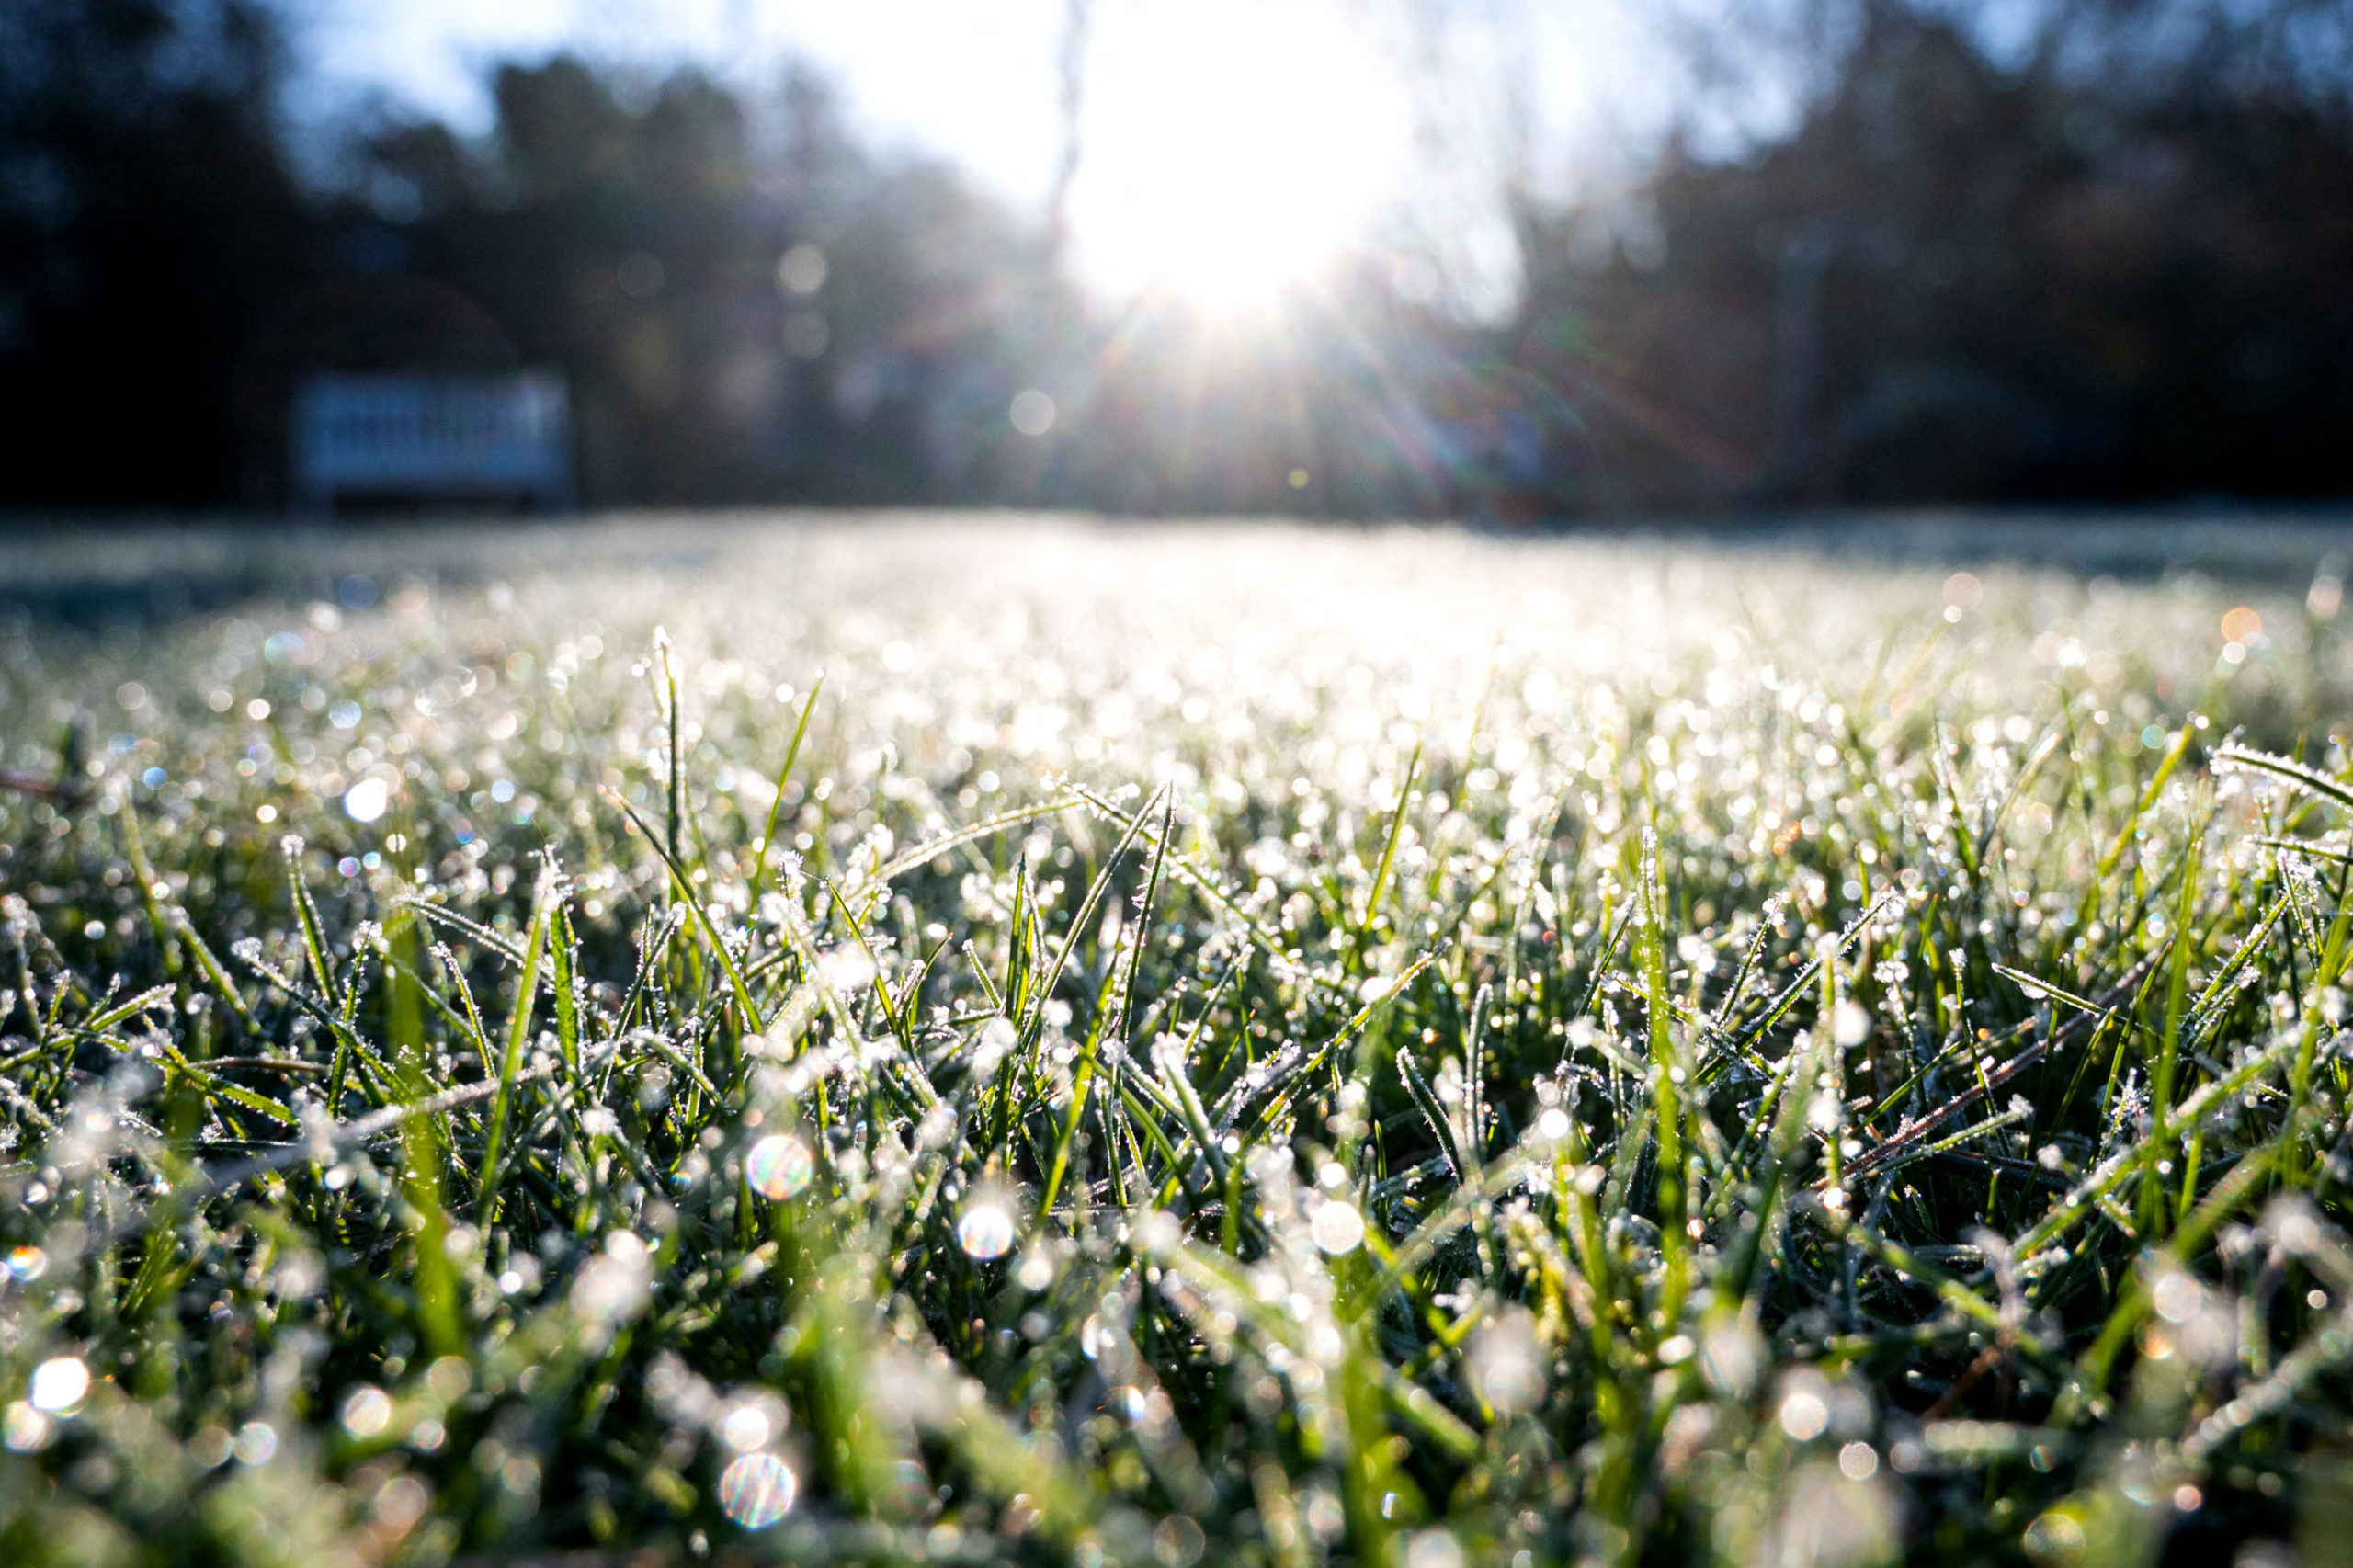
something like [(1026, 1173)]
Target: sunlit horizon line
[(1279, 333)]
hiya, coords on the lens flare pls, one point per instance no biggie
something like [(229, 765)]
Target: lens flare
[(1234, 149)]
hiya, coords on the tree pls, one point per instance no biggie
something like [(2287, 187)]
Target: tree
[(2078, 275), (149, 230)]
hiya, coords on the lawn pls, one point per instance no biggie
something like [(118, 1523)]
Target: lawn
[(896, 1040)]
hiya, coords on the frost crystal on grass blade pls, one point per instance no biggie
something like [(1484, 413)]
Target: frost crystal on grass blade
[(1466, 1051)]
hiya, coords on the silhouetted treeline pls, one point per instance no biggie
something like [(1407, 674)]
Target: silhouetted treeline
[(150, 231), (2114, 277), (748, 307), (2066, 274)]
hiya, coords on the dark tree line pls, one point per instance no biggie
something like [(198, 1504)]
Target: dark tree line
[(2098, 273), (2065, 274), (149, 230), (745, 309)]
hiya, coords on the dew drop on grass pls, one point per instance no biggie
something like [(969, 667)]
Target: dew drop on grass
[(985, 1231), (756, 1490), (777, 1167)]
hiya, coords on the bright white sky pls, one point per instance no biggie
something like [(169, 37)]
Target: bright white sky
[(1231, 146)]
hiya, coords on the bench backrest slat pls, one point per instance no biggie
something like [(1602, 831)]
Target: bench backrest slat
[(432, 435)]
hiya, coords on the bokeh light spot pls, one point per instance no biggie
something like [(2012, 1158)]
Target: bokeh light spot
[(367, 801), (779, 1165), (1032, 412), (1338, 1228), (985, 1231), (756, 1490), (60, 1384)]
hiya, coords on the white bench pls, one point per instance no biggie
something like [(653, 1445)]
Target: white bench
[(431, 437)]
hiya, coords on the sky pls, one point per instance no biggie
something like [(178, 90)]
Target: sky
[(972, 78), (1303, 126)]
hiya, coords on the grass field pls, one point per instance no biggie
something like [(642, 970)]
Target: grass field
[(1026, 1042)]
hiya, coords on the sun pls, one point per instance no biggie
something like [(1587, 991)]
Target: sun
[(1231, 149)]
